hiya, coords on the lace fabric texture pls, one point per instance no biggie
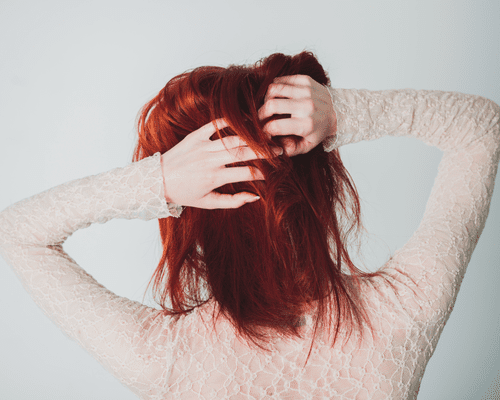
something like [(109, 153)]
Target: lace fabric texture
[(160, 357)]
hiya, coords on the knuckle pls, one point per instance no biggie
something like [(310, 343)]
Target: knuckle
[(229, 140), (279, 87), (210, 177), (255, 171), (310, 105), (271, 127), (251, 171), (240, 153), (271, 106), (248, 154), (241, 142), (264, 110), (271, 90), (301, 79)]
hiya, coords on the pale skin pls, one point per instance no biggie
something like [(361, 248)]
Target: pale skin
[(196, 166)]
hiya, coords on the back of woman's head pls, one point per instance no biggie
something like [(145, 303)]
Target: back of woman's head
[(266, 262)]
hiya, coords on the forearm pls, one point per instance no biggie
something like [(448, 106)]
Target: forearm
[(447, 120), (50, 217)]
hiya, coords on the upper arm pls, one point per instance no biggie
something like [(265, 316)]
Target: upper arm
[(433, 262), (131, 340)]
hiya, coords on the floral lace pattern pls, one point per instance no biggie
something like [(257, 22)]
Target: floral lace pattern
[(160, 357)]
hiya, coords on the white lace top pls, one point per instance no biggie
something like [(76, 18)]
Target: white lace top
[(158, 357)]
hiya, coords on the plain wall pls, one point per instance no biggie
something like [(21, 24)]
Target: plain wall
[(73, 75)]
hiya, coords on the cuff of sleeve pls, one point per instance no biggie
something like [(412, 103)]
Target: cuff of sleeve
[(330, 142), (175, 210)]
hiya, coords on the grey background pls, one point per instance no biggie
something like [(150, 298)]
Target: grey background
[(73, 75)]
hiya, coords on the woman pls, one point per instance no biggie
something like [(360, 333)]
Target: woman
[(244, 282)]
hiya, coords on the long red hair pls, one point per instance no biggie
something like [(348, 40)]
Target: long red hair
[(266, 262)]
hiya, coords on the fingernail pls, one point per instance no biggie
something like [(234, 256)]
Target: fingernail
[(252, 199)]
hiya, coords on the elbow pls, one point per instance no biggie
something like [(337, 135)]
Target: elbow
[(492, 117), (488, 118)]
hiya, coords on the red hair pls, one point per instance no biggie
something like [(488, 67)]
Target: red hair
[(266, 262)]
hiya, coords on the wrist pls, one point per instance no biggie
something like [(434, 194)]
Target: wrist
[(332, 116), (162, 163), (333, 125)]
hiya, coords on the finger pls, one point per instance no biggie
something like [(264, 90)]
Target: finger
[(280, 106), (215, 200), (229, 142), (209, 129), (238, 174), (232, 149), (288, 91), (224, 157), (289, 126), (304, 80), (297, 146), (289, 145), (245, 154)]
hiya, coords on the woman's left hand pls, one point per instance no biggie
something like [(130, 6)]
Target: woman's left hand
[(310, 106), (197, 165)]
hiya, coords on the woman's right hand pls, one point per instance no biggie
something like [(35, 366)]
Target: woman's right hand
[(195, 166), (312, 115)]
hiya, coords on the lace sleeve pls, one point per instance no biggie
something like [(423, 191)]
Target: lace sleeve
[(129, 339), (467, 129)]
